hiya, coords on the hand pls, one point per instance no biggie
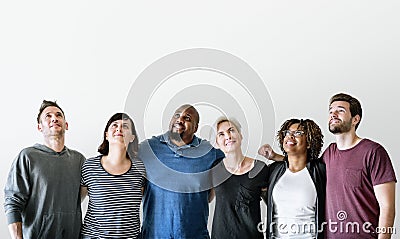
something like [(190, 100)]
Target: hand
[(266, 151)]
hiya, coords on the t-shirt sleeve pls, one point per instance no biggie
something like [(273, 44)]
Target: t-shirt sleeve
[(381, 167), (142, 171), (325, 155), (264, 175)]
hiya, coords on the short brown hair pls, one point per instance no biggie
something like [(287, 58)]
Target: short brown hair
[(355, 105), (44, 105)]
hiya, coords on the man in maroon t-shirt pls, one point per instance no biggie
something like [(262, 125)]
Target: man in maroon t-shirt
[(360, 195), (360, 190)]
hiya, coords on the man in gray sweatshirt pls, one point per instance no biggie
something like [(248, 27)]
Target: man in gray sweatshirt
[(42, 198)]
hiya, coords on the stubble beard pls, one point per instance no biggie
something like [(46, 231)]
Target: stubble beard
[(343, 127)]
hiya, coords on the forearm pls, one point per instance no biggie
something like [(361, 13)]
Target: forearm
[(385, 195), (386, 222), (276, 157), (15, 230)]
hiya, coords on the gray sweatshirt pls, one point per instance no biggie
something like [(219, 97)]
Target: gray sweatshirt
[(42, 192)]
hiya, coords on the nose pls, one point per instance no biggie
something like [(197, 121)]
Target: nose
[(333, 115), (54, 118), (180, 119), (119, 128)]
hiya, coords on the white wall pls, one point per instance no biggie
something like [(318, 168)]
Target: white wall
[(87, 55)]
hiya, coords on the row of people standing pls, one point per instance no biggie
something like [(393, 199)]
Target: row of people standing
[(178, 211)]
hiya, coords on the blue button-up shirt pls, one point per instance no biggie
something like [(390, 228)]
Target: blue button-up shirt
[(175, 202)]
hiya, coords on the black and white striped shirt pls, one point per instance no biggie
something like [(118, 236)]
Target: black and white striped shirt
[(114, 200)]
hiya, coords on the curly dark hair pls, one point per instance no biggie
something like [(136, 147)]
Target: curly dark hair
[(313, 134)]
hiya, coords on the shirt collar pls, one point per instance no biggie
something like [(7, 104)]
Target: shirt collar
[(165, 138)]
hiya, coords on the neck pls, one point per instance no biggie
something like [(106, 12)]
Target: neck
[(347, 140), (178, 143), (116, 155), (116, 162), (181, 142), (237, 163), (297, 162), (55, 143), (234, 159)]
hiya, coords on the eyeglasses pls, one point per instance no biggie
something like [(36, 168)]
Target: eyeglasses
[(296, 134)]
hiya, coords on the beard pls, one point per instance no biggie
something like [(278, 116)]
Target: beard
[(343, 127), (176, 136)]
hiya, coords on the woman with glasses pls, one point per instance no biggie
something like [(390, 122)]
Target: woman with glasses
[(296, 185)]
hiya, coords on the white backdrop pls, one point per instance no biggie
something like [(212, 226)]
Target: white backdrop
[(87, 54)]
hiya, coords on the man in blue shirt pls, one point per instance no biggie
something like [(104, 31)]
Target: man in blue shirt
[(175, 202)]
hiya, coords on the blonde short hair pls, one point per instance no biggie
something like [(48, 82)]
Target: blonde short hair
[(231, 120)]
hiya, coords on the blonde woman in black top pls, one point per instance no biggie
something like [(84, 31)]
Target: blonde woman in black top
[(237, 208)]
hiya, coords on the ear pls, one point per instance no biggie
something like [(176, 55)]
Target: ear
[(132, 139), (66, 125), (106, 134), (39, 127), (356, 119)]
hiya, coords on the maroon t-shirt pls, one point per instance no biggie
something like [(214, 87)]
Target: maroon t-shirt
[(352, 210)]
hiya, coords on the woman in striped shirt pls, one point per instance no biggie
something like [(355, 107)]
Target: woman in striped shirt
[(114, 181)]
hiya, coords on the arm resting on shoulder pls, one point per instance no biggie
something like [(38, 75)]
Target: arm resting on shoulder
[(267, 152), (385, 195)]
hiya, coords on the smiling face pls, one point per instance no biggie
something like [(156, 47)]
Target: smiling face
[(120, 132), (295, 140), (52, 122), (228, 137), (183, 124), (340, 120)]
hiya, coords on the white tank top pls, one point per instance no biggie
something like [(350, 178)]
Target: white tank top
[(294, 198)]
